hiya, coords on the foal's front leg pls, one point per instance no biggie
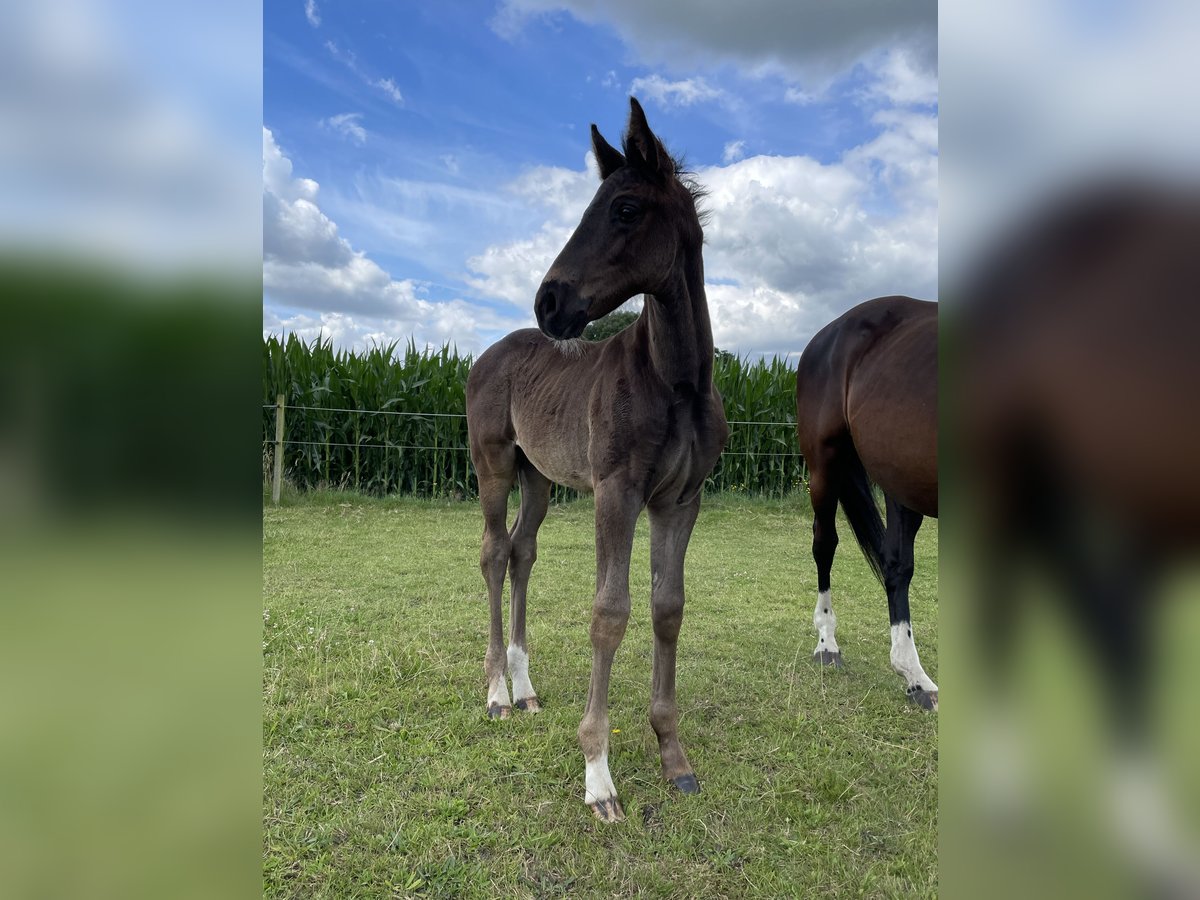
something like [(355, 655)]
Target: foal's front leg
[(616, 516)]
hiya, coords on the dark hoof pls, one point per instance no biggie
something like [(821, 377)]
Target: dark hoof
[(608, 810), (528, 704), (828, 658), (687, 783), (922, 698), (496, 711)]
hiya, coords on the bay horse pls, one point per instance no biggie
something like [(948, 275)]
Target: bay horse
[(635, 419), (1077, 377), (866, 411)]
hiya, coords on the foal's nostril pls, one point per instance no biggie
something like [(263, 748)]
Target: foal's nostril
[(549, 303)]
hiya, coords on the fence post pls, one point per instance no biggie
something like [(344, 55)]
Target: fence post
[(277, 478)]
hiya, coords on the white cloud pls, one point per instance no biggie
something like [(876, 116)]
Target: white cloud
[(685, 92), (312, 13), (347, 125), (733, 151), (901, 80), (315, 282), (389, 87)]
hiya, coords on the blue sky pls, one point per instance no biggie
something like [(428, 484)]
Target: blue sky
[(424, 162)]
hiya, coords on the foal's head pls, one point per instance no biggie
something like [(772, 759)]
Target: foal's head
[(631, 238)]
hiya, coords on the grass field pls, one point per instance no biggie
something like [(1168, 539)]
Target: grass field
[(383, 776)]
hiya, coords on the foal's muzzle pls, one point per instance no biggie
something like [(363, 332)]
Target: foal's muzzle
[(561, 312)]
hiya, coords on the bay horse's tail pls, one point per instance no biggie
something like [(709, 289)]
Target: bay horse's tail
[(858, 502)]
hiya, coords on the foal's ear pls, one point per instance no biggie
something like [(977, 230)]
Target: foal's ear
[(644, 148), (608, 158)]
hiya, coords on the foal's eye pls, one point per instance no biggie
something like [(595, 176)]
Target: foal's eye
[(627, 212)]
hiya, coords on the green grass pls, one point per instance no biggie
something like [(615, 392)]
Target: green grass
[(383, 777)]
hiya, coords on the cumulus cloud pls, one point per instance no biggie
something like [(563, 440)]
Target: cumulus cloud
[(686, 92), (348, 125), (312, 13), (316, 283)]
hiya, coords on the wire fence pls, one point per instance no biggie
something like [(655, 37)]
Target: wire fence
[(447, 469)]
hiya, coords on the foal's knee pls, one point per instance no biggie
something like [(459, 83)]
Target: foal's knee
[(610, 614)]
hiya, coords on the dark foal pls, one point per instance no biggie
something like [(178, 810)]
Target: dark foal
[(866, 411), (635, 419)]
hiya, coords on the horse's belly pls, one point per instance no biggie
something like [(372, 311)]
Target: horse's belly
[(560, 463)]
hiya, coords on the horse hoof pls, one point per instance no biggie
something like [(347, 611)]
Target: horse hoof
[(496, 711), (687, 783), (923, 698), (828, 658), (608, 810), (528, 704)]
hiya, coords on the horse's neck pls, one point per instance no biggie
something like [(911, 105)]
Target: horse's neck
[(679, 331)]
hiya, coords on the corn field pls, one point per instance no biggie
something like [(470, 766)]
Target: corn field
[(392, 421)]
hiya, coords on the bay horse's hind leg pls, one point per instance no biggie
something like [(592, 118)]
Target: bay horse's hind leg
[(535, 498), (670, 530), (902, 527), (822, 488), (496, 473)]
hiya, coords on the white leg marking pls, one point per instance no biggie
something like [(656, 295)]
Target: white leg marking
[(597, 783), (905, 660), (518, 670), (498, 692), (825, 622)]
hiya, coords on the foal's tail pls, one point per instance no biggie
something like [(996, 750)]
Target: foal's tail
[(858, 502)]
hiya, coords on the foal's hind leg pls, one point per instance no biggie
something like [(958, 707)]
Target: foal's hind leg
[(535, 498), (902, 526), (670, 530), (495, 480), (822, 481)]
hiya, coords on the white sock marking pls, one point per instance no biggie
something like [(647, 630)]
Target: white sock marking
[(498, 692), (597, 783), (825, 622), (518, 670), (905, 660)]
